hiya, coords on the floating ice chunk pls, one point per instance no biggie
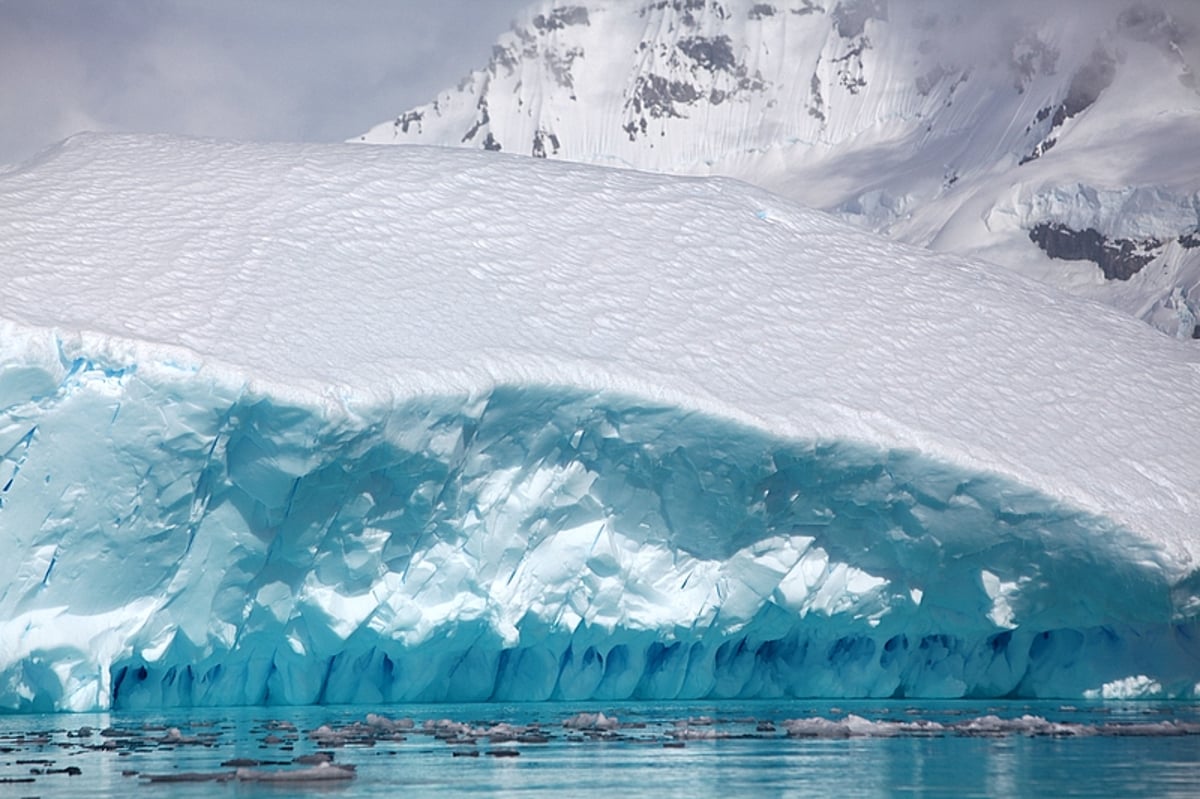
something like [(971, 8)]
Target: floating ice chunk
[(323, 772), (1135, 687), (591, 721)]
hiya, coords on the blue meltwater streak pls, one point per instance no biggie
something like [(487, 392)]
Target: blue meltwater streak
[(662, 749)]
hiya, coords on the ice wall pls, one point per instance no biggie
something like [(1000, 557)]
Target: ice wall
[(177, 543)]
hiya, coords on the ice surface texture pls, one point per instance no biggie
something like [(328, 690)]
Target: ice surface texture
[(298, 424)]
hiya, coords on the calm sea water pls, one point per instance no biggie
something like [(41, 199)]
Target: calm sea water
[(726, 749)]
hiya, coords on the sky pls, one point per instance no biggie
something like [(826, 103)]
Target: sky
[(282, 70)]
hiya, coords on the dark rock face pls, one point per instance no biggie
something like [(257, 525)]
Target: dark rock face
[(656, 96), (483, 119), (685, 8), (699, 70), (1085, 88), (850, 19), (850, 67), (407, 119), (1087, 84), (712, 54), (816, 107), (540, 139), (561, 18), (850, 16), (1119, 259)]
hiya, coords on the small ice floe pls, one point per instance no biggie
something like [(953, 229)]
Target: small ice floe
[(1025, 725), (1162, 729), (592, 721), (697, 734), (695, 721), (450, 731), (175, 736), (502, 732), (190, 776), (376, 721), (853, 726), (70, 771), (503, 753), (376, 728), (315, 759), (983, 726), (696, 728), (322, 772)]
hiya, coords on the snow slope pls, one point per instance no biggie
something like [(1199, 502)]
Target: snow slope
[(999, 131), (288, 424)]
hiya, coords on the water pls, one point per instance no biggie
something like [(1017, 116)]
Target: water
[(925, 749)]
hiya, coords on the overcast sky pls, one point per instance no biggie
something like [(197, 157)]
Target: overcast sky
[(289, 70)]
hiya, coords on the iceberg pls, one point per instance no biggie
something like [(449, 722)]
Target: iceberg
[(290, 424)]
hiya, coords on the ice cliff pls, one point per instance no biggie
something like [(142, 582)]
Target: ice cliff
[(290, 424), (1028, 136)]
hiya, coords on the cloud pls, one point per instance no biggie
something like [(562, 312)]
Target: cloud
[(304, 70)]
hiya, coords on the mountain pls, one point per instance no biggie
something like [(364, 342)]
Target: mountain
[(1061, 145), (322, 423)]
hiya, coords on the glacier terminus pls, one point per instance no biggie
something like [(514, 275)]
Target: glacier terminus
[(291, 424)]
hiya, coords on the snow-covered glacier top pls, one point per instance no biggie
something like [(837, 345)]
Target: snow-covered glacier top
[(218, 360)]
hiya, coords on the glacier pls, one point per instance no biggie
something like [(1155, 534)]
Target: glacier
[(290, 424)]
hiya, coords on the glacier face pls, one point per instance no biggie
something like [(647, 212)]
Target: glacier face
[(959, 131), (287, 424)]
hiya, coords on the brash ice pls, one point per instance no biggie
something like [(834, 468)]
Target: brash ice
[(292, 424)]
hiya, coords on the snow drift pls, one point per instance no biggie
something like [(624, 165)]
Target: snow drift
[(290, 424)]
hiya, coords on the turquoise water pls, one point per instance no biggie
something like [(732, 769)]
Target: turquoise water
[(926, 749)]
